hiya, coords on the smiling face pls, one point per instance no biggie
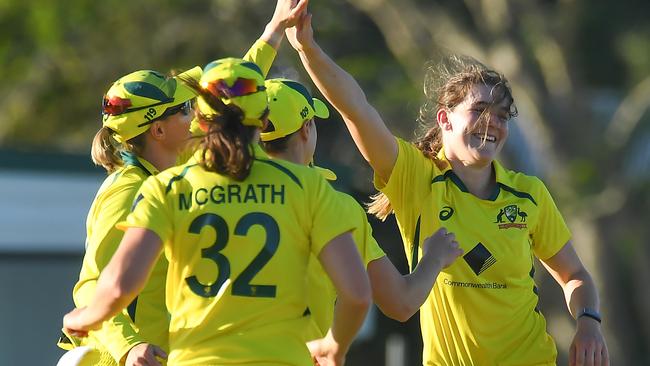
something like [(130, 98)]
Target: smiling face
[(475, 130)]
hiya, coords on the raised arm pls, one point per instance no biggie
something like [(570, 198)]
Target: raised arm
[(342, 263), (369, 132), (588, 346), (399, 297), (120, 282), (287, 14)]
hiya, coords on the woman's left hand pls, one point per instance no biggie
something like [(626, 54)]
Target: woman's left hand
[(588, 347), (74, 324)]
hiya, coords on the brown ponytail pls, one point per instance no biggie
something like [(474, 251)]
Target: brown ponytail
[(227, 146)]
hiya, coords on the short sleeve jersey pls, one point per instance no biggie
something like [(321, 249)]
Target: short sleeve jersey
[(146, 318), (322, 294), (483, 308), (238, 254)]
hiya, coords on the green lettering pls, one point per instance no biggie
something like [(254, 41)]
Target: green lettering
[(219, 197), (234, 190), (279, 193), (201, 201), (250, 194), (184, 203), (263, 187)]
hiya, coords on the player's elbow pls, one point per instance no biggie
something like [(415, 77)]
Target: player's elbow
[(120, 291), (398, 309), (404, 312), (117, 288)]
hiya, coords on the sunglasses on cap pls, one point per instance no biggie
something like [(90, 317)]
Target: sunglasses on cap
[(114, 106), (239, 88), (185, 108)]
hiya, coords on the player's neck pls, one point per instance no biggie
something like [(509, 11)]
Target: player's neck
[(159, 157), (288, 155), (294, 153), (480, 181)]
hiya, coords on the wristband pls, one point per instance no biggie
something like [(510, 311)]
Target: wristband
[(590, 313)]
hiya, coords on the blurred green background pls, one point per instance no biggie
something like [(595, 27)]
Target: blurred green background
[(580, 72)]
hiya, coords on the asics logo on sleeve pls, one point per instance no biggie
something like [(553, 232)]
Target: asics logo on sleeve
[(446, 213)]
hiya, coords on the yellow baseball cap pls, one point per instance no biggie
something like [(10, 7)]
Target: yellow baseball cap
[(235, 81), (137, 99), (290, 106)]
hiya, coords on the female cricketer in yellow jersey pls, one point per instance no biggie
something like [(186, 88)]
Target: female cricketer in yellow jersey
[(238, 230), (147, 145), (291, 135), (145, 124), (483, 308)]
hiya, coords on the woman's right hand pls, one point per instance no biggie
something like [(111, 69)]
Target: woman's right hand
[(442, 245), (144, 354), (76, 325)]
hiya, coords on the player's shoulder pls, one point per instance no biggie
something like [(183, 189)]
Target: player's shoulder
[(353, 208), (125, 179), (515, 178), (176, 174), (350, 202), (178, 171), (409, 153), (301, 175), (518, 182)]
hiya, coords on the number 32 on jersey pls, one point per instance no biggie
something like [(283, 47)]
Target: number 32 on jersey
[(242, 284)]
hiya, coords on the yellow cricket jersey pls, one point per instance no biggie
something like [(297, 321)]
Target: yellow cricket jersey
[(112, 204), (321, 291), (483, 308), (262, 54), (238, 254), (146, 319)]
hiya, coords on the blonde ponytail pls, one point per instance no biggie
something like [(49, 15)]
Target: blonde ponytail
[(104, 151)]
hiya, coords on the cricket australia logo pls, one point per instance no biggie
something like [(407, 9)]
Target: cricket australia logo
[(479, 258), (512, 214)]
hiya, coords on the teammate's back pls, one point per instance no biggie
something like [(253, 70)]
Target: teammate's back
[(237, 247)]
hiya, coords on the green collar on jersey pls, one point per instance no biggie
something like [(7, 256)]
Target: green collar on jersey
[(500, 174), (130, 159)]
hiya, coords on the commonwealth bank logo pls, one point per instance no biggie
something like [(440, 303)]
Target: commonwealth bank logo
[(479, 258)]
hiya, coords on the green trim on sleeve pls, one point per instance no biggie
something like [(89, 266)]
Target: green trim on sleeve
[(262, 54), (416, 245), (178, 177), (282, 169), (518, 193)]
